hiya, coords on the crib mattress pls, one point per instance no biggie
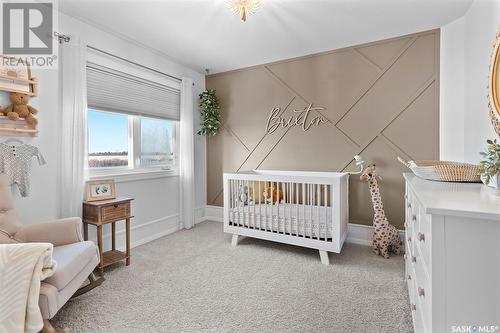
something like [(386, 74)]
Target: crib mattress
[(300, 220)]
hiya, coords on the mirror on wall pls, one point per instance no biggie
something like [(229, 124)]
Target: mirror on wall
[(494, 85)]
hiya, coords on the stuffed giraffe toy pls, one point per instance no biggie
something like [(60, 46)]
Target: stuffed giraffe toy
[(385, 236)]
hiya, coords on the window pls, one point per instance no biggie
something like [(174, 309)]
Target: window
[(157, 142), (120, 142), (108, 139), (133, 118)]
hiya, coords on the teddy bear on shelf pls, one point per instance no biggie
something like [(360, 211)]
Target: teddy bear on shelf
[(20, 108)]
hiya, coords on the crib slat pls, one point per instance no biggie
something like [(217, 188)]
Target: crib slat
[(318, 204), (238, 200), (249, 218), (278, 205), (260, 207), (297, 208), (241, 206), (272, 206), (308, 199), (285, 192), (230, 200), (303, 206), (266, 219), (233, 194), (253, 205), (290, 199), (311, 192), (290, 228), (327, 222), (308, 203)]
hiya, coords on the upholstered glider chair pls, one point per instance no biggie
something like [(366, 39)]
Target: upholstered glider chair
[(76, 259)]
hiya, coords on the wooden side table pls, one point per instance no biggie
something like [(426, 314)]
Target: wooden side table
[(99, 213)]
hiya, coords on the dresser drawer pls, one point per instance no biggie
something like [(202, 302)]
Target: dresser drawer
[(422, 239), (423, 291), (412, 211), (418, 230), (410, 281), (116, 211), (416, 312)]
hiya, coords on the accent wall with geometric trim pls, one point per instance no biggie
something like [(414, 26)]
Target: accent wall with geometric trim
[(379, 100)]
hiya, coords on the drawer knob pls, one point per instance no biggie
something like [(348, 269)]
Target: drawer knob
[(414, 217), (414, 259), (421, 237), (409, 238), (413, 307), (409, 277), (421, 292), (115, 205), (408, 205)]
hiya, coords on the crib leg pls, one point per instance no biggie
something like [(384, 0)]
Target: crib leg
[(324, 257), (234, 240)]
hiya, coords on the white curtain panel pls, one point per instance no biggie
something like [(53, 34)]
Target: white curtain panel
[(74, 126), (186, 158)]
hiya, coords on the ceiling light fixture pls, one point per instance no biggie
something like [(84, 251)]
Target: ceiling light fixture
[(245, 7)]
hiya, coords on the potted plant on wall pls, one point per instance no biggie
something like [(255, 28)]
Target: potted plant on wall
[(490, 166), (210, 113)]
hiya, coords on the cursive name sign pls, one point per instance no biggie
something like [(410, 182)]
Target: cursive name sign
[(301, 118)]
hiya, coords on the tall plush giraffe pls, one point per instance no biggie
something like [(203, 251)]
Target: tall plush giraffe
[(385, 236)]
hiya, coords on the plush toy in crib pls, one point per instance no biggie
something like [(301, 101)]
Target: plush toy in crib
[(385, 236), (271, 190), (243, 197)]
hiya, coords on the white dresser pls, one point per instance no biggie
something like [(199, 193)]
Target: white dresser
[(452, 256)]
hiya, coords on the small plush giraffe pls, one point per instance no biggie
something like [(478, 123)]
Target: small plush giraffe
[(385, 236)]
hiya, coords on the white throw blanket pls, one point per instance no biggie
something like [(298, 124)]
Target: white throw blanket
[(22, 267)]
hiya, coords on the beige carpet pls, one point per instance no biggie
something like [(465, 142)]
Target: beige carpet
[(194, 281)]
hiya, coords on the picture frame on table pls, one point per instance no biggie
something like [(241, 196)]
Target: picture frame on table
[(97, 190)]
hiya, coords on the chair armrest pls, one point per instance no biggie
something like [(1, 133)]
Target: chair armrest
[(58, 232)]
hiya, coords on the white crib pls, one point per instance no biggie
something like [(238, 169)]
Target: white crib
[(308, 209)]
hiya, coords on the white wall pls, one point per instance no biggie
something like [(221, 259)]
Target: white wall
[(466, 46), (156, 205), (42, 203), (452, 99)]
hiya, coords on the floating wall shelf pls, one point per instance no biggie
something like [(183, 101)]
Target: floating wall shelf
[(16, 127), (32, 83)]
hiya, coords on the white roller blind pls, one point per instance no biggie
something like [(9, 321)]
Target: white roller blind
[(108, 89)]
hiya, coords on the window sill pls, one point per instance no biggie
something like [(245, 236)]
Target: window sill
[(121, 176)]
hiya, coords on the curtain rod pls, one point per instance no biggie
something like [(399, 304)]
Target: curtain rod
[(134, 63)]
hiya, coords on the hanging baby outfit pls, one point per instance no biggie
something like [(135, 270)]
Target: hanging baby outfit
[(15, 162)]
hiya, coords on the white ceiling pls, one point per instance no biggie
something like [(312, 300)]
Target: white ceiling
[(207, 34)]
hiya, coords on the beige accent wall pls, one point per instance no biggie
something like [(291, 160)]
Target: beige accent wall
[(380, 100)]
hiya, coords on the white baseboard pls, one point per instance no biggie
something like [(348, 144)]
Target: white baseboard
[(149, 231), (214, 213), (356, 233), (199, 214), (142, 233)]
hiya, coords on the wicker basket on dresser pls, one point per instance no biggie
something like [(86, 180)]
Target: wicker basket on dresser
[(452, 255)]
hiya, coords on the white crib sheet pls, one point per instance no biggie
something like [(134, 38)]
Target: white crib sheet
[(285, 218)]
